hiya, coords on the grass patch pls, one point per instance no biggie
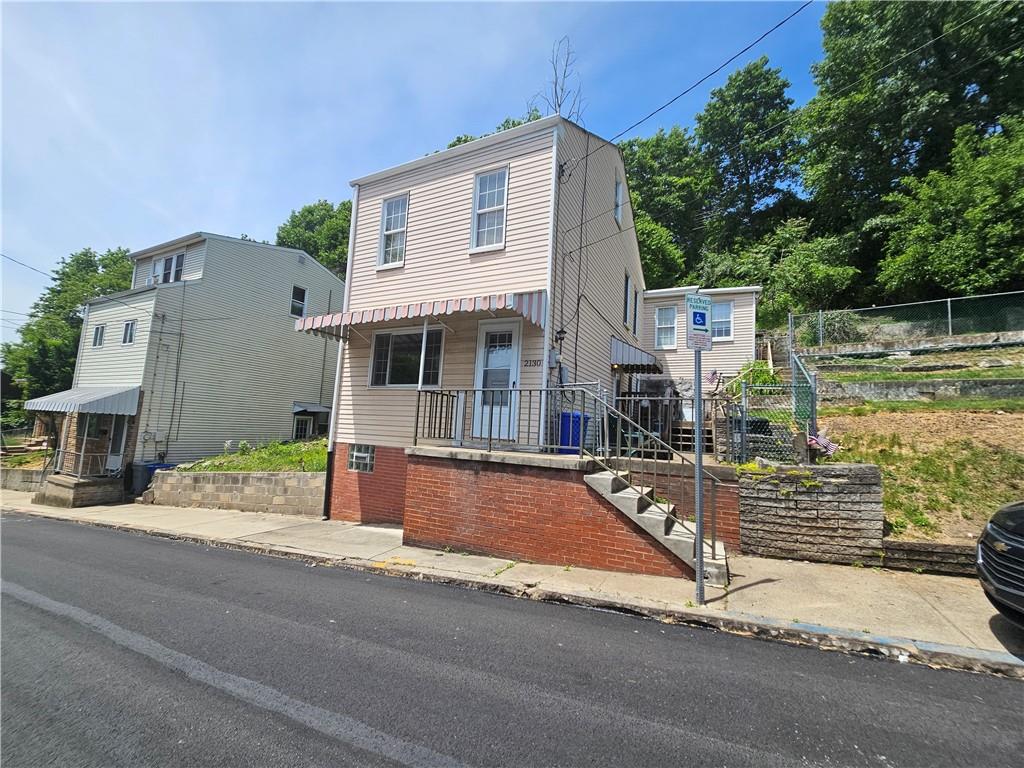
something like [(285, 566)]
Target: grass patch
[(931, 490), (34, 460), (1005, 404), (1007, 372), (308, 456)]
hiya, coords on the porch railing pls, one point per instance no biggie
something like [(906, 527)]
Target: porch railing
[(574, 421), (77, 464)]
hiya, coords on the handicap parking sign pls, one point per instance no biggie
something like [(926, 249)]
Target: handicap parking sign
[(698, 334), (700, 318)]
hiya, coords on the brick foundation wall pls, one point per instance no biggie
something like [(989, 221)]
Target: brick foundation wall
[(726, 504), (828, 513), (537, 514), (369, 497)]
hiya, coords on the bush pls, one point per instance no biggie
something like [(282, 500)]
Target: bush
[(839, 327), (756, 372)]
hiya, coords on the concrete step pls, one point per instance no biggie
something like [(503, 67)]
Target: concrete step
[(638, 506)]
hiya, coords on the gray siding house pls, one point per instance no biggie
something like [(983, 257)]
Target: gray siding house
[(200, 351)]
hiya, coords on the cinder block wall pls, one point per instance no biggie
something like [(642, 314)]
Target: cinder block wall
[(21, 479), (283, 493), (829, 513)]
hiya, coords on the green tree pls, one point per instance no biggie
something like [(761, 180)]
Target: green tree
[(532, 113), (663, 262), (321, 230), (896, 81), (43, 359), (754, 167), (961, 231)]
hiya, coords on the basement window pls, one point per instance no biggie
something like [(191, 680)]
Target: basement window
[(360, 457)]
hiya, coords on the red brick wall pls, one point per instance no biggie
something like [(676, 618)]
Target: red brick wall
[(726, 503), (525, 513), (369, 497)]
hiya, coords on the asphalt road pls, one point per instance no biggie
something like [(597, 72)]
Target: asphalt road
[(121, 649)]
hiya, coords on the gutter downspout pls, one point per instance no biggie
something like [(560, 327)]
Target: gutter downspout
[(333, 425), (549, 310)]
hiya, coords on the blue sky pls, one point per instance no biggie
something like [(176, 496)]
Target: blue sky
[(131, 124)]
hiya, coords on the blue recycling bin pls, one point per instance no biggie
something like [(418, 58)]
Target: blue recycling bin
[(153, 467), (573, 429)]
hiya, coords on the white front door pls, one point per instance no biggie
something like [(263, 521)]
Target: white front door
[(115, 453), (495, 409)]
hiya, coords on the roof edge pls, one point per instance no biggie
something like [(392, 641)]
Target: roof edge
[(658, 293)]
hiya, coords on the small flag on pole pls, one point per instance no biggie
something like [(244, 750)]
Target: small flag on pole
[(712, 376), (823, 444)]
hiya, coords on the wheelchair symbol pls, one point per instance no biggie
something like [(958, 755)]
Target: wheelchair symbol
[(700, 319)]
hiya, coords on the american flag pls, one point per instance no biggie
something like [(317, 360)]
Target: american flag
[(712, 376), (823, 444)]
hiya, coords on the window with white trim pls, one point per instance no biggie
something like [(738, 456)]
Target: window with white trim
[(489, 193), (97, 335), (168, 269), (619, 189), (392, 238), (128, 332), (360, 457), (665, 328), (721, 320), (396, 358), (298, 301)]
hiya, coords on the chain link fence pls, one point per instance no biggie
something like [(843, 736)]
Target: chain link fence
[(898, 325), (772, 421)]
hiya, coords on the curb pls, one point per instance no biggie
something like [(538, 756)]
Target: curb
[(900, 649)]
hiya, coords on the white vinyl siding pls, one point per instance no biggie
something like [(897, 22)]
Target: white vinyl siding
[(112, 363), (489, 196), (393, 225), (665, 319)]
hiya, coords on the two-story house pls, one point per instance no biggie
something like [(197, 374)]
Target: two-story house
[(199, 352), (494, 299)]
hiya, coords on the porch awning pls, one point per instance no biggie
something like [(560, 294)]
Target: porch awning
[(300, 407), (121, 401), (630, 359), (532, 306)]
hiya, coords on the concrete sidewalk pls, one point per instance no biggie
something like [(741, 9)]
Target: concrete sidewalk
[(944, 621)]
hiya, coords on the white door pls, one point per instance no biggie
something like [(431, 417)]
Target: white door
[(115, 453), (495, 409)]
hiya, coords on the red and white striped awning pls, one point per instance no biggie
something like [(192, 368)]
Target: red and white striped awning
[(532, 306)]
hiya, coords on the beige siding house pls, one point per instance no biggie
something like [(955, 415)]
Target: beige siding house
[(200, 351)]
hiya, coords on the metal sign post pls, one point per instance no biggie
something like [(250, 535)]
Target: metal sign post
[(698, 338)]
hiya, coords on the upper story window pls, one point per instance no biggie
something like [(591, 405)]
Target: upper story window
[(392, 239), (396, 358), (298, 301), (636, 309), (97, 335), (489, 209), (626, 290), (128, 332), (665, 328), (167, 269), (721, 320), (618, 202)]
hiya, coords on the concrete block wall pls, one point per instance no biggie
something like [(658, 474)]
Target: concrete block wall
[(828, 513), (283, 493), (21, 479)]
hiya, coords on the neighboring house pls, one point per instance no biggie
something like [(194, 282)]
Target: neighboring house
[(200, 351), (732, 329)]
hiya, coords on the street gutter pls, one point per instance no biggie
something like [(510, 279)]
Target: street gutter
[(900, 649)]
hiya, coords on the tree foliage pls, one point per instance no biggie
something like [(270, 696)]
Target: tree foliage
[(960, 231), (532, 113), (42, 361), (321, 230)]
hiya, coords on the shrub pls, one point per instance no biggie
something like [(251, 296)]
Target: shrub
[(756, 372), (839, 327)]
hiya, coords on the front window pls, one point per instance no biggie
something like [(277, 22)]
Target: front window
[(97, 335), (618, 202), (721, 320), (396, 359), (665, 328), (298, 301), (128, 333), (360, 458), (168, 269), (489, 209), (393, 219)]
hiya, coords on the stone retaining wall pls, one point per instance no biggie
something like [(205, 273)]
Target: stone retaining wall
[(922, 389), (926, 557), (830, 513), (283, 493), (21, 479)]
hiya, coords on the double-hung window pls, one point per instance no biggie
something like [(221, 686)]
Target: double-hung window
[(665, 328), (392, 238), (618, 202), (128, 332), (626, 290), (168, 269), (489, 195), (721, 320), (97, 335), (298, 302), (396, 358)]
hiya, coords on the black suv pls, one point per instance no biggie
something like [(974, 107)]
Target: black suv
[(1000, 561)]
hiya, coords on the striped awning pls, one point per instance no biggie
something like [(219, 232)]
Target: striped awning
[(631, 359), (532, 306), (122, 401)]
